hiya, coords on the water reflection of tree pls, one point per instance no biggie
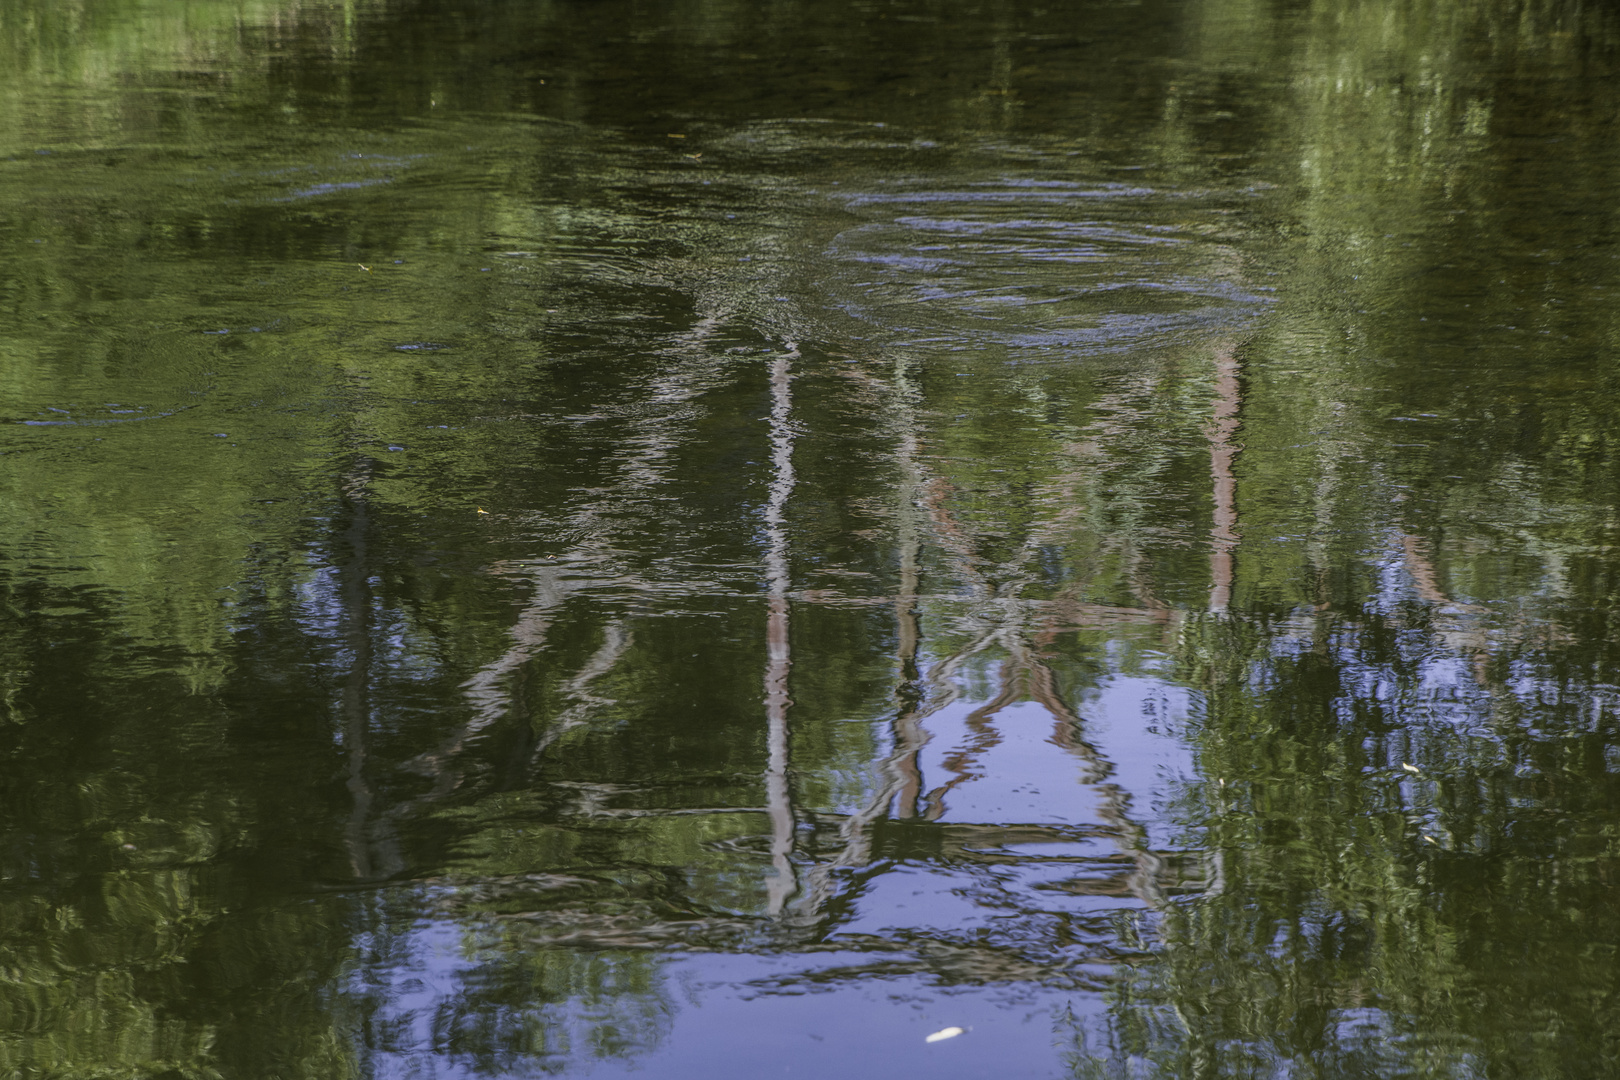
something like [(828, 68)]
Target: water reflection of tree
[(1356, 892), (1400, 750)]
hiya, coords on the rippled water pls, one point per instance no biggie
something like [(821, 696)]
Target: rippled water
[(725, 540)]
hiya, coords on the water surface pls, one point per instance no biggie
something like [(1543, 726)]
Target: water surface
[(711, 539)]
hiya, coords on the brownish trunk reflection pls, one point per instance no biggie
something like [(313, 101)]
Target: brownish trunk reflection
[(1223, 451)]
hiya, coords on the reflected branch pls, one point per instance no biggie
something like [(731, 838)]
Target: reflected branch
[(615, 641)]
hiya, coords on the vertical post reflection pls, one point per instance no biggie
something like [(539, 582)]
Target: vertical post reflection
[(355, 590), (1223, 451), (779, 655), (908, 730)]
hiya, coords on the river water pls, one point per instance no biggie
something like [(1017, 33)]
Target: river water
[(709, 539)]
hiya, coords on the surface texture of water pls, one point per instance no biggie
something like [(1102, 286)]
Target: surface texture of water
[(718, 540)]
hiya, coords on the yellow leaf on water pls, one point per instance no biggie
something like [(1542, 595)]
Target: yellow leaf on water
[(1410, 768)]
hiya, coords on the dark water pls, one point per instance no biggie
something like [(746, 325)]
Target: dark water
[(721, 539)]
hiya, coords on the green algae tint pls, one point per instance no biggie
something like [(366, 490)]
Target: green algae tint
[(725, 540)]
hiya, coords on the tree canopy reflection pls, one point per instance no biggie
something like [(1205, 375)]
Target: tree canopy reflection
[(498, 502)]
